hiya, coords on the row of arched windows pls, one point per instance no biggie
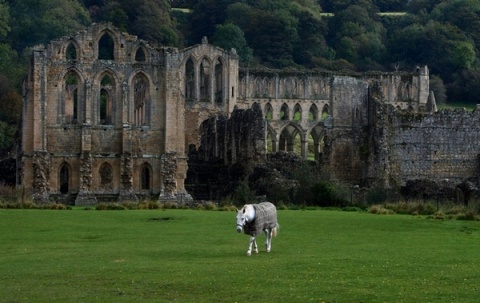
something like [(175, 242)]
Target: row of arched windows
[(106, 104), (105, 48), (284, 113), (205, 81), (291, 87), (105, 174)]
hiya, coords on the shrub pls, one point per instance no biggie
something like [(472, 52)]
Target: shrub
[(380, 210)]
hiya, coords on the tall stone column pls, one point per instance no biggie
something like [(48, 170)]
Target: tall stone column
[(126, 179), (85, 195), (173, 173), (41, 172)]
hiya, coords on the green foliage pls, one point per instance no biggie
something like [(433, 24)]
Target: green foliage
[(230, 36), (39, 21), (4, 19), (243, 194)]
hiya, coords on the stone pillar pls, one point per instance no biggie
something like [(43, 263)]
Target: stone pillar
[(126, 179), (41, 172), (85, 196), (173, 171)]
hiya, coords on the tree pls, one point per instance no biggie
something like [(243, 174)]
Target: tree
[(39, 21), (230, 36), (358, 35), (4, 19)]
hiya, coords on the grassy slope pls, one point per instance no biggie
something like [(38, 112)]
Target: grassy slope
[(196, 256)]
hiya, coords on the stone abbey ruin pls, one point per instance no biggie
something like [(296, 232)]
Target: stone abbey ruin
[(107, 116)]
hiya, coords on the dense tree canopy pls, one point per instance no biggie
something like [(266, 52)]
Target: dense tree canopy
[(341, 34)]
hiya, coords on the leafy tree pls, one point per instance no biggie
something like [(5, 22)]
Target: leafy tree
[(10, 107), (390, 5), (465, 87), (4, 19), (438, 88), (442, 46), (357, 34), (39, 21), (7, 133), (206, 15), (230, 36)]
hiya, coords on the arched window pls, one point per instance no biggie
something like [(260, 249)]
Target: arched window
[(205, 81), (64, 179), (284, 112), (106, 47), (106, 102), (140, 55), (146, 177), (189, 80), (71, 53), (325, 112), (313, 113), (297, 113), (106, 176), (141, 100), (218, 82), (268, 112), (70, 104)]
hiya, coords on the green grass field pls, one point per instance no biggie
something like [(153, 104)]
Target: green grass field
[(197, 256)]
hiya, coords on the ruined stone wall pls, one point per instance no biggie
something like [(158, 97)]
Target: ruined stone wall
[(439, 146)]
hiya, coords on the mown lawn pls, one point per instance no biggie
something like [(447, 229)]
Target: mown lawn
[(196, 256)]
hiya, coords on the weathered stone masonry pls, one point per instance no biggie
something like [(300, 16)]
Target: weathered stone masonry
[(107, 115)]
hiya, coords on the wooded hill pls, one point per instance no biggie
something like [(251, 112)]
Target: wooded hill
[(355, 35)]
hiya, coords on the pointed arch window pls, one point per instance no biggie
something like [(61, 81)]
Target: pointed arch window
[(325, 112), (141, 100), (313, 113), (189, 80), (106, 176), (205, 81), (106, 100), (297, 113), (64, 178), (268, 112), (146, 177), (218, 82), (284, 112), (106, 47), (71, 53), (70, 101), (140, 55)]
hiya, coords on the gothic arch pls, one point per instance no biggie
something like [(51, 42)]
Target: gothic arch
[(64, 178), (291, 138), (106, 176), (325, 112), (190, 83), (297, 113), (219, 80), (72, 51), (284, 112), (268, 112), (146, 177), (313, 113), (205, 79), (317, 135), (106, 45), (107, 98), (71, 106), (141, 54), (141, 99)]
